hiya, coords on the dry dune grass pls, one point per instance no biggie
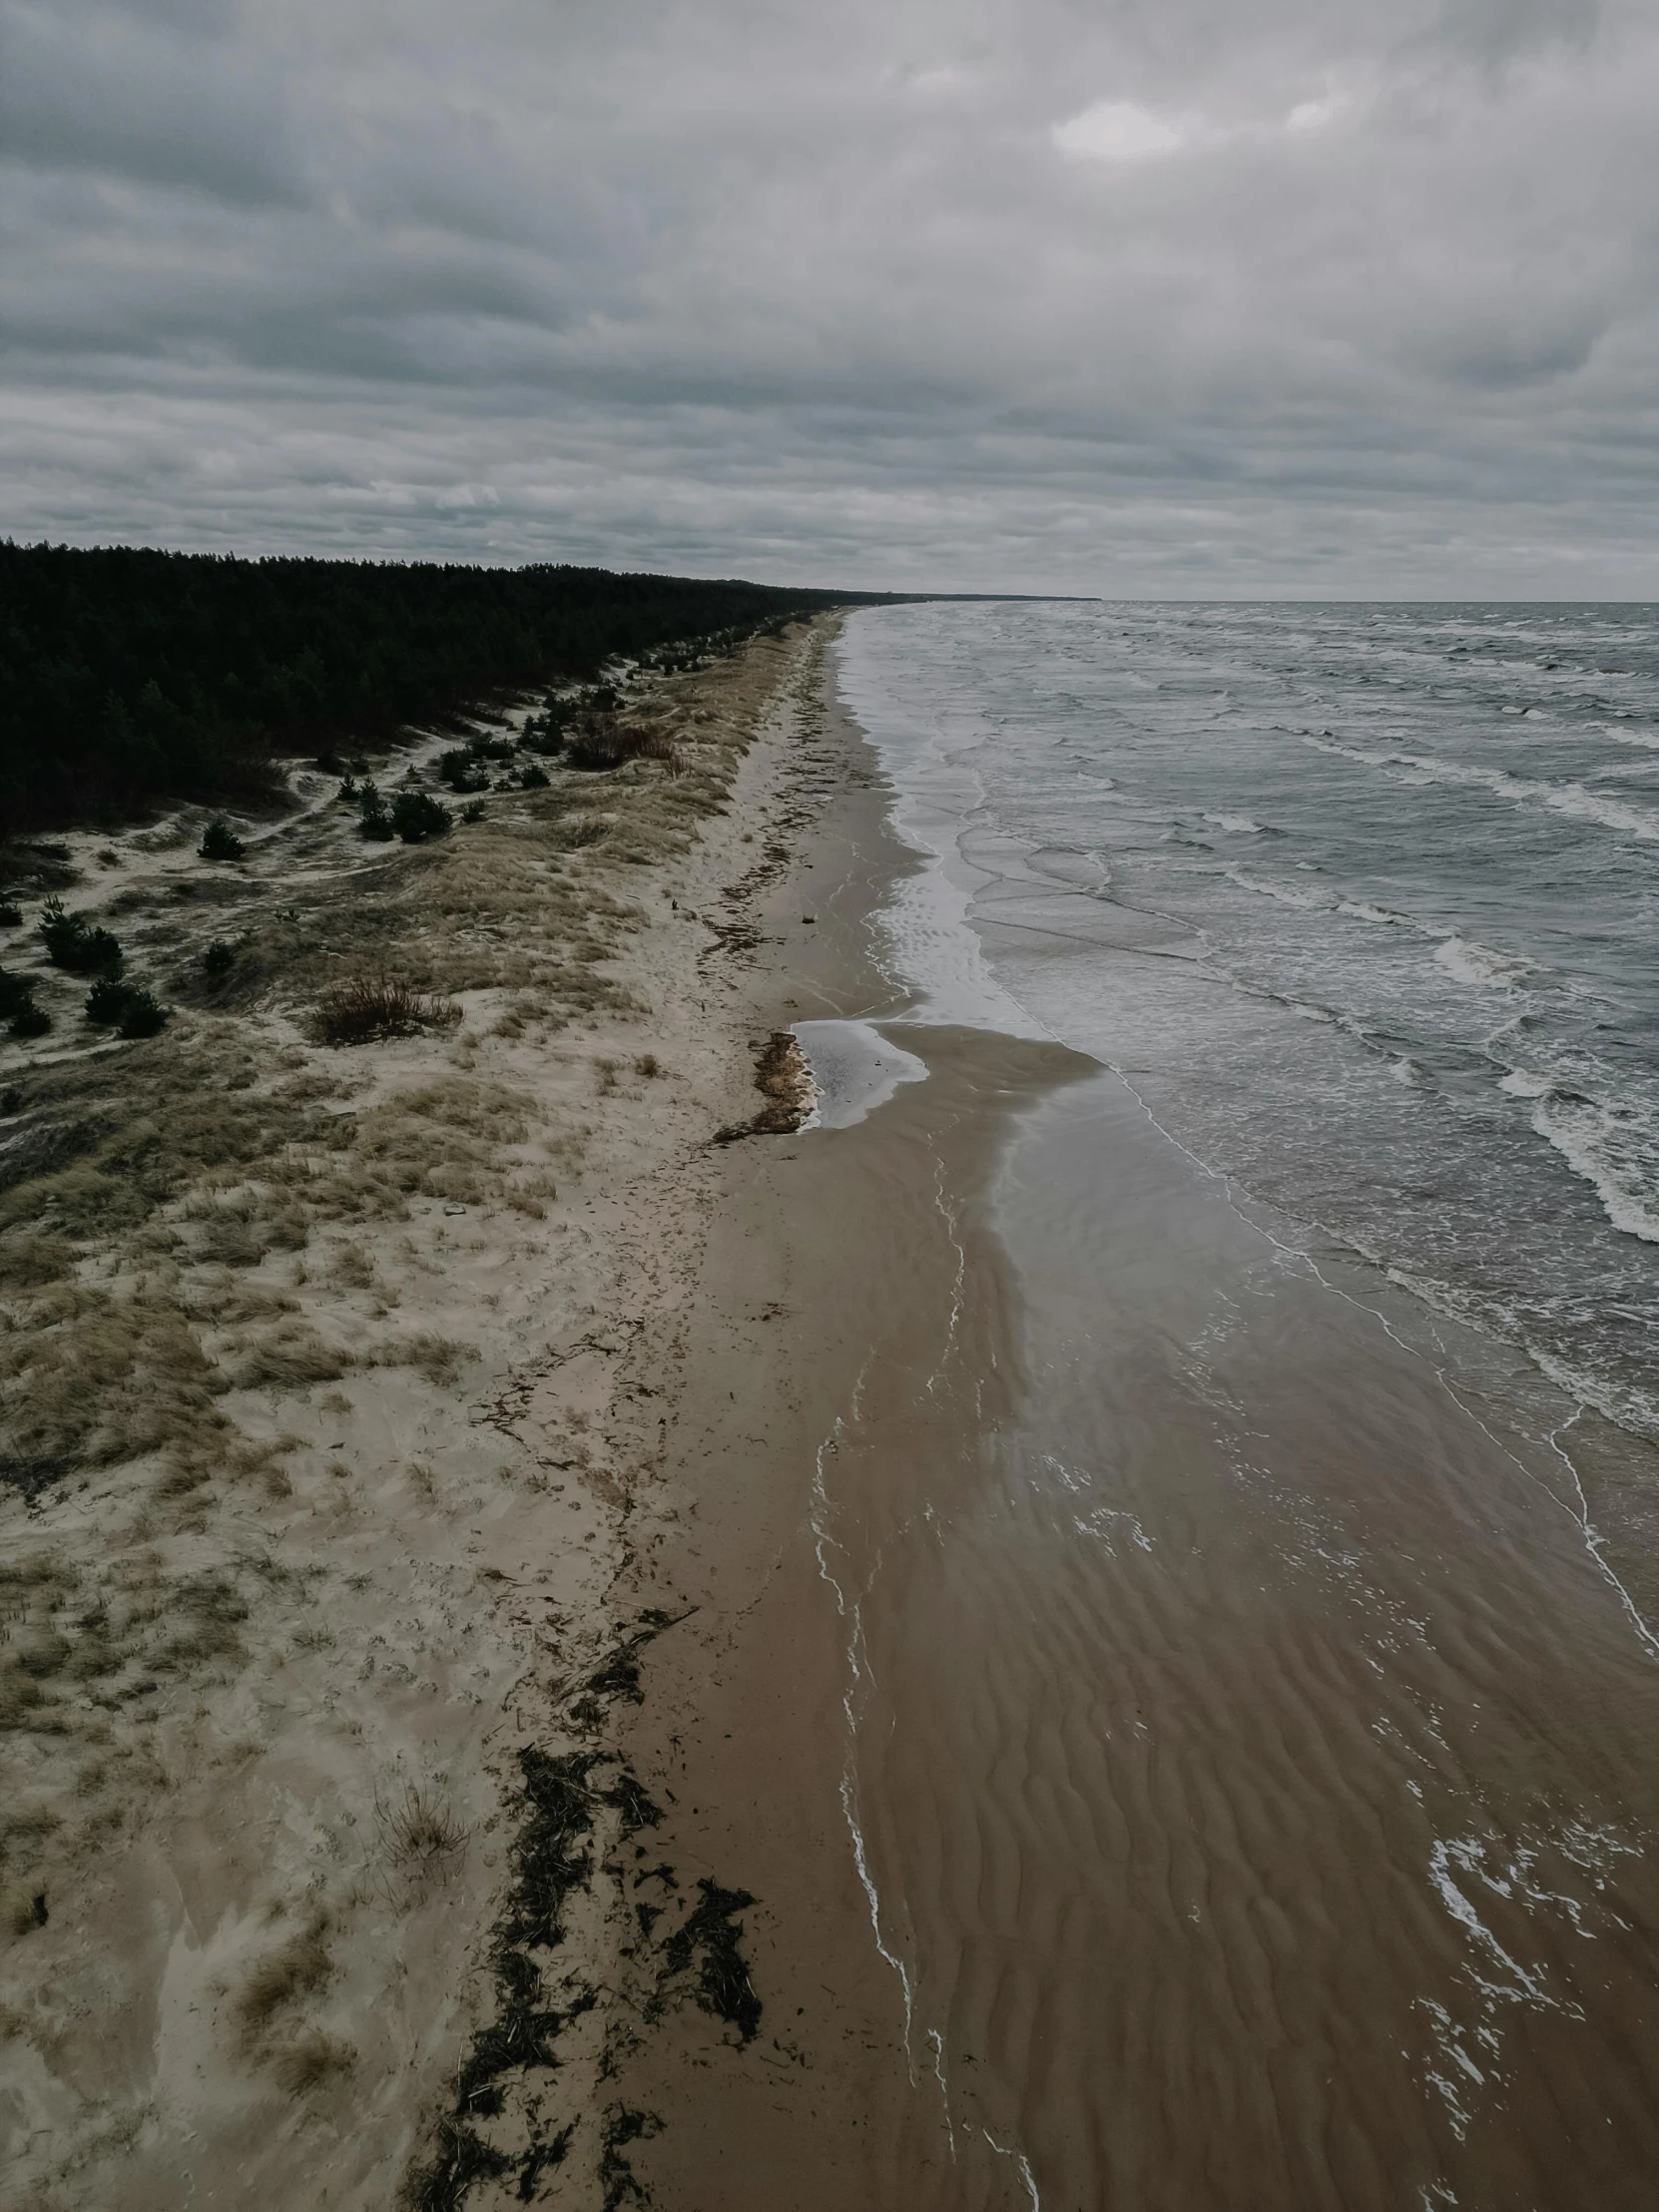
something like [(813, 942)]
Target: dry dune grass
[(417, 1829), (311, 2060), (365, 1009), (28, 1261), (88, 1379), (288, 1356), (297, 1969)]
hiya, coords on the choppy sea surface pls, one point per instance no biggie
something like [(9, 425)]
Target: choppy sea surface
[(1360, 899)]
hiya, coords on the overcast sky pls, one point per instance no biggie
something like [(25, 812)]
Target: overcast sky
[(1149, 298)]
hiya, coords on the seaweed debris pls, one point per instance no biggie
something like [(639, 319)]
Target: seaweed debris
[(569, 1805), (623, 2124), (708, 1939), (552, 1857), (783, 1078)]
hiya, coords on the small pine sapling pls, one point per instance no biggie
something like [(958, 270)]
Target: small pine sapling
[(70, 943), (372, 820), (220, 841)]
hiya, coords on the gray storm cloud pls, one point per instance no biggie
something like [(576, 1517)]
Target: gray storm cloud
[(1298, 297)]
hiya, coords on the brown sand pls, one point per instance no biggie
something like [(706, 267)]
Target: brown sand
[(1156, 1688)]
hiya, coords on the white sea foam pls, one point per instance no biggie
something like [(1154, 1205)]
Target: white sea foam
[(1579, 1129), (1236, 824), (1363, 910), (1465, 1854), (932, 949), (1480, 965), (1287, 894)]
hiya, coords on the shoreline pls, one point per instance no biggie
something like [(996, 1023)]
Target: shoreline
[(928, 1661), (848, 1271), (1147, 1669)]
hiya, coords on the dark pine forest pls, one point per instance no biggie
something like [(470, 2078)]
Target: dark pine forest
[(130, 678)]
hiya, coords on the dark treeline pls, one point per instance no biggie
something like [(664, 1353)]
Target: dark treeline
[(130, 678)]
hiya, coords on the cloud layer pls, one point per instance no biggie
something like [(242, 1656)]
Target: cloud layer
[(1309, 296)]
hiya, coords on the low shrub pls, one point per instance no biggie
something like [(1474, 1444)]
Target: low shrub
[(473, 811), (73, 945), (532, 777), (106, 1002), (371, 1008), (218, 962), (598, 741), (220, 841), (416, 816), (11, 914), (30, 1021)]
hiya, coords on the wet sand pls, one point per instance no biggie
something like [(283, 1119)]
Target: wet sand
[(1184, 1745)]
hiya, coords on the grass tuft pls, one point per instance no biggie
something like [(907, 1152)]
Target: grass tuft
[(372, 1007), (311, 2060), (300, 1967), (418, 1830)]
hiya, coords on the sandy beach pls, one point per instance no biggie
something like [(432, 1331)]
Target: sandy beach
[(651, 1654), (338, 1388)]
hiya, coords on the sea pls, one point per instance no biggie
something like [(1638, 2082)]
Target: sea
[(1375, 893), (1250, 1689)]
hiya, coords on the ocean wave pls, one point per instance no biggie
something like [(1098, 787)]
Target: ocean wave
[(1596, 1143), (1565, 799), (1287, 894), (1480, 965), (1362, 910), (1611, 1147), (1239, 824)]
